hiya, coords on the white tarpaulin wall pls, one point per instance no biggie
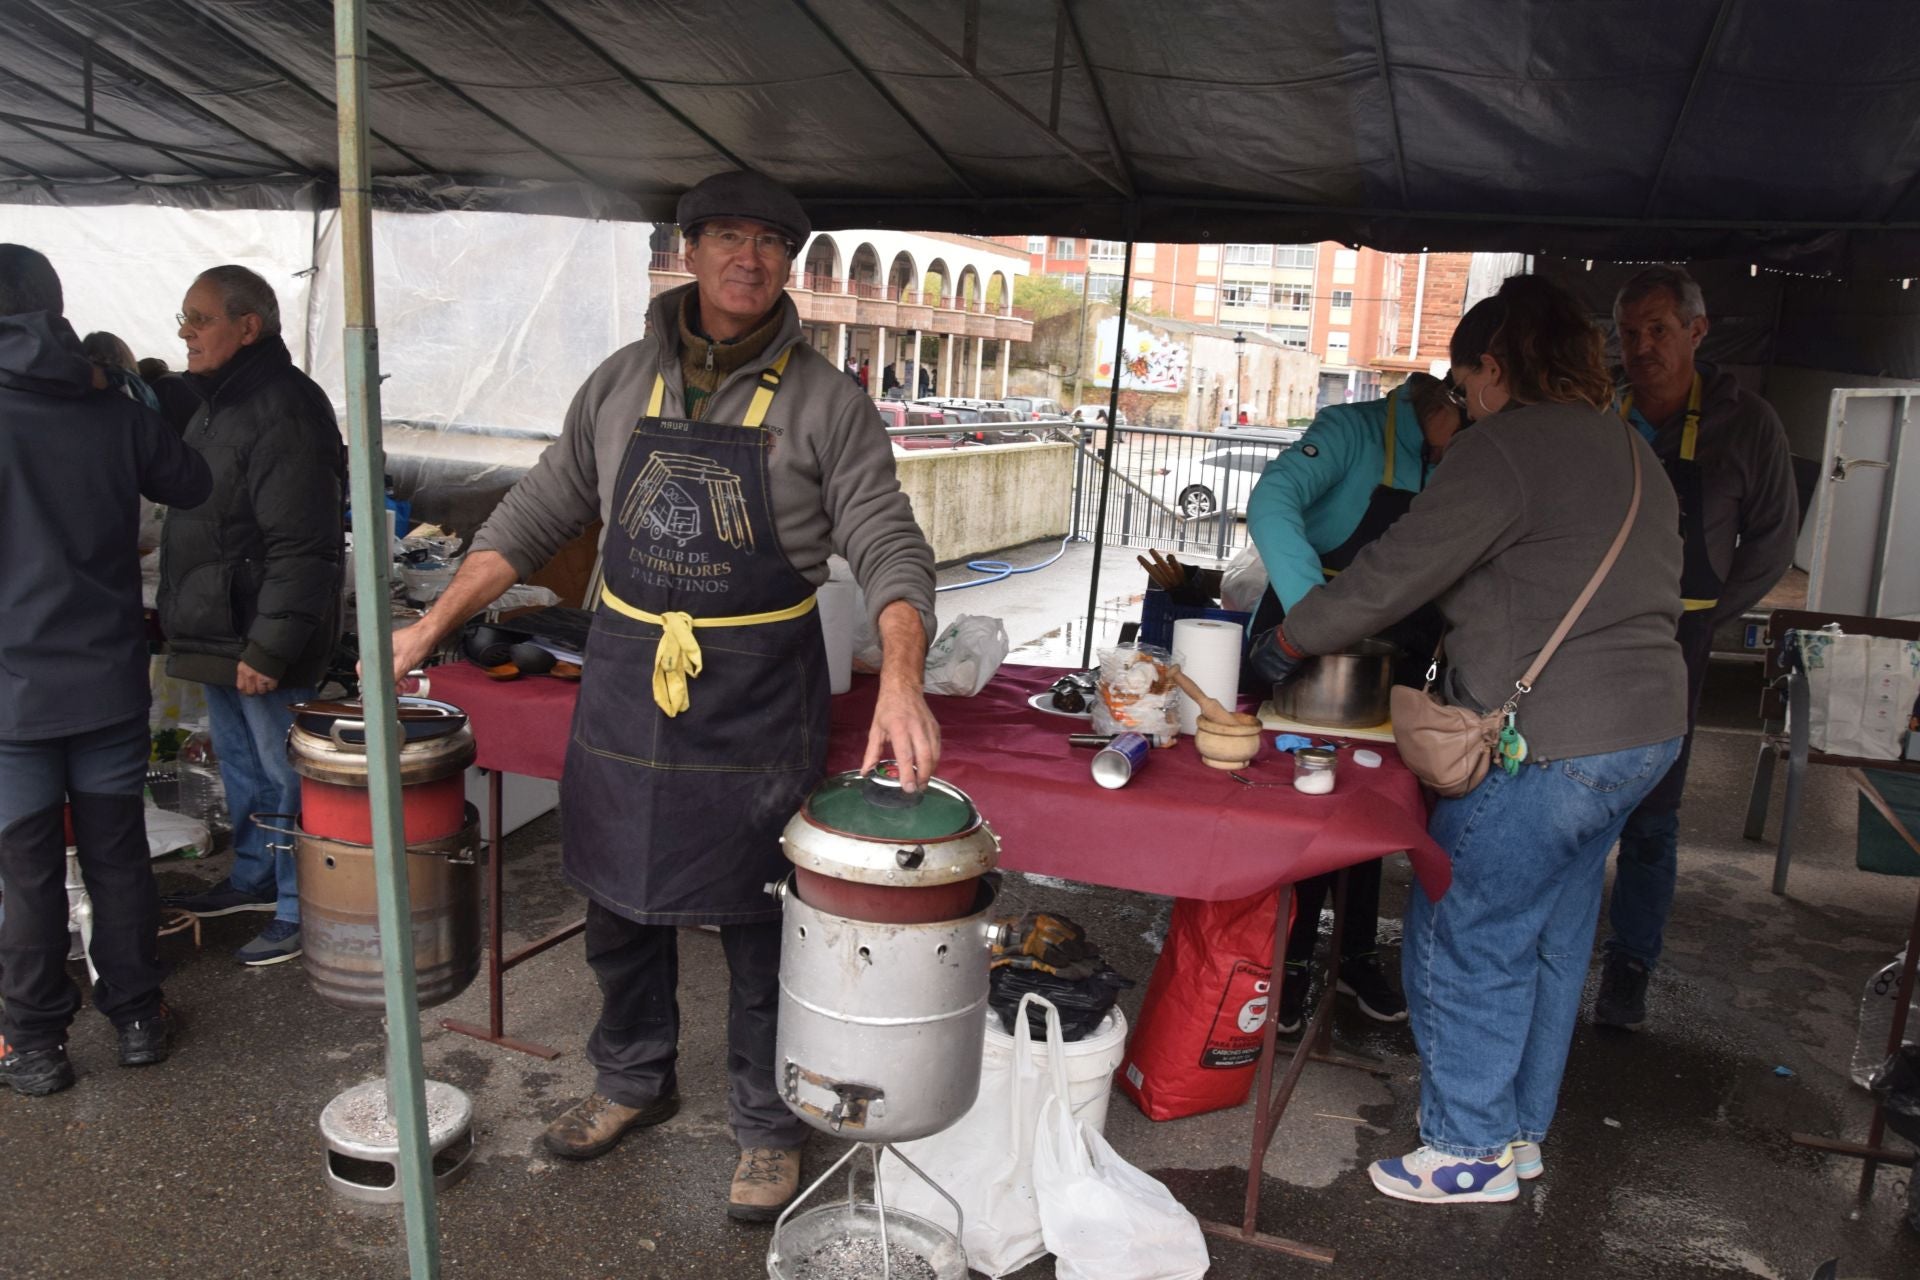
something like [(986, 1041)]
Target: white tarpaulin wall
[(488, 321), (126, 268)]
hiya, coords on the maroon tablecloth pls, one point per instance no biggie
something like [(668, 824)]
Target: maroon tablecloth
[(519, 726), (1179, 828)]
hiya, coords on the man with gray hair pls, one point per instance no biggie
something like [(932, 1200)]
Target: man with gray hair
[(728, 459), (75, 460), (1726, 453), (250, 581)]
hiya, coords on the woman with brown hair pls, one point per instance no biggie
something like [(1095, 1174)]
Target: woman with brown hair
[(1511, 527)]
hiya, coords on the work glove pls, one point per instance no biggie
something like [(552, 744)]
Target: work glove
[(1274, 659)]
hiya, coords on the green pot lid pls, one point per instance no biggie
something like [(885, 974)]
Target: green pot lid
[(873, 806)]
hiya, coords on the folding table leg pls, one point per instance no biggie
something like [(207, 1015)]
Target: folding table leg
[(497, 962), (1270, 1102), (1760, 792), (1871, 1152), (1797, 747)]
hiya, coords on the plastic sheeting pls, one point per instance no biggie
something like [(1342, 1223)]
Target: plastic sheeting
[(1632, 129), (488, 322)]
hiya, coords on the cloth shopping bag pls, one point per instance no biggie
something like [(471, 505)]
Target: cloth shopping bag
[(1860, 691)]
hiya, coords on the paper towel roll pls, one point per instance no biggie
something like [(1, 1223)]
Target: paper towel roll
[(1208, 650), (838, 618)]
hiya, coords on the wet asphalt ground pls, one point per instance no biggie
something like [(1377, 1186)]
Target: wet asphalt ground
[(1670, 1156)]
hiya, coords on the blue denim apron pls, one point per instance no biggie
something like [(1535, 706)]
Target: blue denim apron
[(702, 719)]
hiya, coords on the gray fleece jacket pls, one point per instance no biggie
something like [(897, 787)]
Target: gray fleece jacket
[(1509, 528), (1751, 510), (831, 469)]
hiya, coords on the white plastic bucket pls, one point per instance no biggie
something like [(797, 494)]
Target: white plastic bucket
[(1090, 1064)]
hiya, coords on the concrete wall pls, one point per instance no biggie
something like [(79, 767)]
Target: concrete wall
[(969, 500), (974, 500)]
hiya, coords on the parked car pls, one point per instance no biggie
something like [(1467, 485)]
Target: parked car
[(981, 415), (1035, 408), (896, 414), (1095, 413), (1217, 478), (1284, 435)]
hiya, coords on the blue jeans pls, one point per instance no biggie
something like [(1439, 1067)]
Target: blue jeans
[(250, 737), (1644, 876), (1493, 971), (1648, 867)]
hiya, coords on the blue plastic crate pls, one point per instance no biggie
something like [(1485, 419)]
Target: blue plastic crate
[(1158, 613)]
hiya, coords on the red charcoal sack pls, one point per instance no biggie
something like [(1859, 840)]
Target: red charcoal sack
[(1198, 1041)]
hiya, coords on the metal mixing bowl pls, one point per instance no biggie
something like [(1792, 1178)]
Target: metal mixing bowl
[(1347, 690)]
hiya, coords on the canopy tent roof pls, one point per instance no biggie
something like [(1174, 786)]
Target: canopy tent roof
[(1779, 133)]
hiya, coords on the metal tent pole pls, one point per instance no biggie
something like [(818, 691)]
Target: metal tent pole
[(1106, 453), (406, 1075)]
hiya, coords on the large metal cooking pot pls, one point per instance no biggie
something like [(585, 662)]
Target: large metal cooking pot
[(881, 1025), (865, 848), (1347, 690), (340, 916)]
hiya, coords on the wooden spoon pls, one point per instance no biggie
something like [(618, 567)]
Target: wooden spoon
[(1211, 707)]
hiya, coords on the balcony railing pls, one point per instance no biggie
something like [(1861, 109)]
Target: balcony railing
[(827, 282)]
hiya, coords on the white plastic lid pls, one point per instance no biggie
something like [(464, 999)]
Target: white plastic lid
[(1366, 759)]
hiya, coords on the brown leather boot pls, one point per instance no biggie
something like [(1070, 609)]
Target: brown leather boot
[(594, 1125), (764, 1182)]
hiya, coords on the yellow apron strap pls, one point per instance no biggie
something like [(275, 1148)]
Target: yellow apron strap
[(1690, 433), (678, 659), (1689, 430), (1393, 410), (762, 394)]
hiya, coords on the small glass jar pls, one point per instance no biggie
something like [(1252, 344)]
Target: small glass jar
[(1313, 770)]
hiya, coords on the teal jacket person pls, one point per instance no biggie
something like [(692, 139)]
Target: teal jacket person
[(1319, 502)]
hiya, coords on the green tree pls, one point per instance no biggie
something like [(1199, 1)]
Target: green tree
[(1044, 296)]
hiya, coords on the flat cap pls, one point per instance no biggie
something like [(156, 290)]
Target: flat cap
[(739, 193)]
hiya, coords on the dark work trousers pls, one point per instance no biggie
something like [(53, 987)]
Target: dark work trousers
[(1361, 924), (100, 774), (635, 1044), (1649, 863)]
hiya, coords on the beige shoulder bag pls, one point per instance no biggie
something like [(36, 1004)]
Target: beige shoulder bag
[(1451, 748)]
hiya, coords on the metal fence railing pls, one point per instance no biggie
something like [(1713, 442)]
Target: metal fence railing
[(1175, 490)]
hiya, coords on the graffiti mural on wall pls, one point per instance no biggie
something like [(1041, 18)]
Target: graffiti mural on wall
[(1152, 360)]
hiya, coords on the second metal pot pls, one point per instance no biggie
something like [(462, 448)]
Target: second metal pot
[(1347, 690)]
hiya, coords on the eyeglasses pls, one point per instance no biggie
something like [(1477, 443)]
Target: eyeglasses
[(767, 245), (1454, 391), (189, 320)]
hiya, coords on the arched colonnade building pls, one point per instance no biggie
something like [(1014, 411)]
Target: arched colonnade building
[(945, 301)]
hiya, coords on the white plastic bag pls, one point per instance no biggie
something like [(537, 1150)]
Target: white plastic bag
[(966, 655), (169, 832), (1103, 1219), (1244, 581), (986, 1160)]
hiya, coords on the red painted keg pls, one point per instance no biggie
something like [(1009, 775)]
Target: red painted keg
[(327, 747)]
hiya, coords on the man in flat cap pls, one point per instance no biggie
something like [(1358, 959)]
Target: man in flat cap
[(727, 459)]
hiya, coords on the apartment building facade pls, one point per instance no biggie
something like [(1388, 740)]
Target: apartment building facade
[(1354, 308)]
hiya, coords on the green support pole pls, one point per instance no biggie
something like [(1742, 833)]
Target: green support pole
[(406, 1075)]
